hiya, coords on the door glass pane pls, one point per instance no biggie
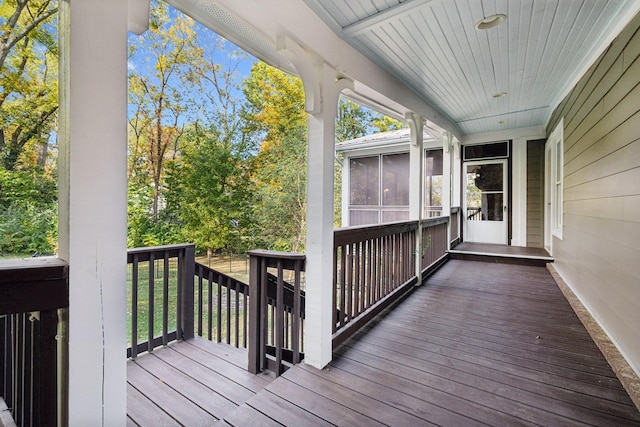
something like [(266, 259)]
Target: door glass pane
[(364, 181), (485, 196), (489, 177), (395, 182)]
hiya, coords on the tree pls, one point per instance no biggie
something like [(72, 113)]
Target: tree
[(276, 112), (208, 186), (158, 82), (209, 191), (28, 107), (28, 80), (353, 120)]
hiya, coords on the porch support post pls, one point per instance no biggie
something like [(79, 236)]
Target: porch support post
[(416, 184), (519, 192), (320, 200), (93, 206), (447, 181)]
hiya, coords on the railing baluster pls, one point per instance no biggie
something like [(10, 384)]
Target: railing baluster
[(152, 296), (200, 300), (276, 311), (236, 314), (210, 308), (165, 300), (228, 318), (134, 307)]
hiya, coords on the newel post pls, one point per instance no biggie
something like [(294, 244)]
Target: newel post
[(256, 313), (187, 272), (416, 174)]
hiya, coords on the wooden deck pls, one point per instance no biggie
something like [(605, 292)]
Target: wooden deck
[(477, 344), (501, 254)]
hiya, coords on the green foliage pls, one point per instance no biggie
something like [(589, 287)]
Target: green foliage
[(28, 212), (281, 206), (276, 110), (28, 228), (28, 81), (209, 192)]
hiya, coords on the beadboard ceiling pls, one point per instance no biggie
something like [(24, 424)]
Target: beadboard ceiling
[(434, 47)]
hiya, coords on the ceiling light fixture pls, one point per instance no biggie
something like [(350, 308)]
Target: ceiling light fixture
[(498, 95), (490, 21)]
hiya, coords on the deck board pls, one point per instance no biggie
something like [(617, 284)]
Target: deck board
[(477, 344), (190, 383)]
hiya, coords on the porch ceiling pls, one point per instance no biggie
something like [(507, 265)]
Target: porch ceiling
[(432, 47), (534, 57)]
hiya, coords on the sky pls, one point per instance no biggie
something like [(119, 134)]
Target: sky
[(222, 52)]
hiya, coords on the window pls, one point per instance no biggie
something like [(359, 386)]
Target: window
[(433, 183), (556, 140), (495, 150), (378, 189)]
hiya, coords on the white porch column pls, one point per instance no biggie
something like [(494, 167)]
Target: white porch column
[(519, 202), (447, 177), (93, 205), (416, 184), (319, 267)]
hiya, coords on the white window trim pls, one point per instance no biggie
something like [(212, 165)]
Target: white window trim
[(556, 142)]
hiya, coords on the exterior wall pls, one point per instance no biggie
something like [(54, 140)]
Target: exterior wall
[(535, 193), (599, 253)]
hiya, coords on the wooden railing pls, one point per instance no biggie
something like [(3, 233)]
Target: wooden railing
[(161, 296), (221, 307), (276, 310), (32, 293), (454, 226), (373, 266), (434, 243), (474, 214)]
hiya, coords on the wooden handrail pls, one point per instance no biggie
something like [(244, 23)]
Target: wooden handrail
[(33, 284), (32, 292)]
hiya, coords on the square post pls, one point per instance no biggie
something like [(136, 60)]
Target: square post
[(93, 206)]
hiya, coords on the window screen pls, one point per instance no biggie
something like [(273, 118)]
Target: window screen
[(395, 184), (365, 181), (495, 150)]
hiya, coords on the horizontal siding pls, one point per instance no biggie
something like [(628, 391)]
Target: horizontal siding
[(535, 193), (600, 250)]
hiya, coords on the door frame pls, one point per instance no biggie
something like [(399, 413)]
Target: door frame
[(505, 198)]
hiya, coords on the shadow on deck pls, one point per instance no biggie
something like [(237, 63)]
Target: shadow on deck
[(478, 343)]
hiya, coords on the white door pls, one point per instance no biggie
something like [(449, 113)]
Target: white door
[(486, 202)]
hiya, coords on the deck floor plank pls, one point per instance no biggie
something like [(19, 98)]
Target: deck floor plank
[(478, 343), (335, 412), (232, 390), (213, 403), (144, 412), (177, 406), (224, 367), (285, 412)]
